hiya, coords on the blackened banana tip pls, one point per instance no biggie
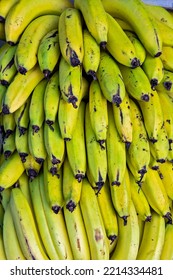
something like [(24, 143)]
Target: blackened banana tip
[(22, 70), (135, 62), (56, 209)]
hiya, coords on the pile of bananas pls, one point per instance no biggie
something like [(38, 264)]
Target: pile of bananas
[(86, 130)]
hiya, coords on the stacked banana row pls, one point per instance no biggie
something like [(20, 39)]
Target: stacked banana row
[(86, 130)]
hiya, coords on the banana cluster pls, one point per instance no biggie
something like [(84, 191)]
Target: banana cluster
[(86, 130)]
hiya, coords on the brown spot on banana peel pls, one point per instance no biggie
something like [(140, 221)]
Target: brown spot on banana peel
[(167, 85), (50, 123), (112, 238), (74, 60), (116, 99), (98, 235), (35, 129), (70, 97)]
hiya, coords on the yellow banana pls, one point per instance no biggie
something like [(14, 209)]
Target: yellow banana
[(120, 46), (108, 213), (128, 238), (53, 188), (9, 146), (76, 149), (95, 19), (166, 174), (10, 170), (23, 184), (152, 239), (139, 48), (49, 52), (70, 81), (70, 42), (41, 221), (21, 117), (167, 57), (121, 198), (167, 252), (138, 154), (166, 84), (21, 143), (165, 32), (71, 187), (25, 227), (7, 66), (139, 200), (110, 79), (36, 108), (57, 227), (54, 144), (26, 11), (27, 49), (132, 12), (116, 152), (32, 167), (77, 234), (94, 224), (98, 111), (67, 114), (123, 120), (91, 57), (96, 155), (153, 68), (51, 99), (2, 95), (141, 224), (136, 82), (155, 193), (8, 124), (5, 7), (12, 246), (124, 24), (20, 89), (5, 197), (2, 249)]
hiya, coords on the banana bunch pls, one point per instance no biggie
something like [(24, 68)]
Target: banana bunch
[(86, 130)]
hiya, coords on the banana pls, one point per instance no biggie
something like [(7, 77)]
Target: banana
[(2, 95), (167, 109), (95, 19), (154, 123), (96, 155), (21, 116), (152, 239), (70, 81), (160, 14), (91, 56), (10, 170), (7, 66), (25, 227), (2, 249), (12, 247), (26, 11), (116, 152), (53, 188), (167, 252), (136, 82), (5, 7), (8, 124), (36, 143), (121, 198), (165, 32), (141, 224), (120, 46), (153, 68), (54, 144), (139, 200), (5, 197), (21, 143), (67, 124), (71, 43), (93, 222), (124, 25), (9, 146), (57, 227), (4, 47), (98, 111), (71, 187), (132, 12), (32, 167), (41, 221), (77, 234), (51, 99), (20, 89), (155, 193), (36, 108), (110, 79), (139, 48), (123, 120), (128, 238), (49, 52), (138, 154), (27, 49), (23, 184), (76, 149), (2, 31), (167, 57), (166, 84), (108, 213), (166, 174)]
